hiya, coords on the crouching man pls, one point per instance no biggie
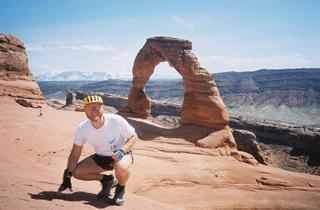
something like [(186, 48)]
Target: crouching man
[(112, 138)]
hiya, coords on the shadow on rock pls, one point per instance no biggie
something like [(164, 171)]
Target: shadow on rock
[(87, 198), (191, 133)]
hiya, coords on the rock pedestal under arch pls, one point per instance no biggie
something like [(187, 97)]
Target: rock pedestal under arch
[(202, 103)]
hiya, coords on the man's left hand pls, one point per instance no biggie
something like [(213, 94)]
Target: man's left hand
[(118, 155)]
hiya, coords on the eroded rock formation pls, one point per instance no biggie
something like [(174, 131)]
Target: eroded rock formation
[(247, 142), (16, 79), (71, 97), (202, 103)]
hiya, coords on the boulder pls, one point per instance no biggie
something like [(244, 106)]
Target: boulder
[(246, 141), (220, 138)]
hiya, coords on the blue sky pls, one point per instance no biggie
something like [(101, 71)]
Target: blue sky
[(106, 35)]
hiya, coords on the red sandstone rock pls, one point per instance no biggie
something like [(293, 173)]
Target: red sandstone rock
[(220, 138), (247, 142), (168, 172), (16, 79), (202, 103)]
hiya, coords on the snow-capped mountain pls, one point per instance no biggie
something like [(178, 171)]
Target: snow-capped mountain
[(77, 75), (94, 76)]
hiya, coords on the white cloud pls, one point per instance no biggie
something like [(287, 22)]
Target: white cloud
[(56, 61), (222, 63), (82, 47), (36, 48), (182, 22), (96, 48)]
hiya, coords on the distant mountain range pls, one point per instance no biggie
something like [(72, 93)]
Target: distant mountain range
[(80, 76), (286, 95), (89, 76), (285, 87)]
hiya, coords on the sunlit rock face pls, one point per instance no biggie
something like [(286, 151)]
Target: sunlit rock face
[(202, 103), (16, 79)]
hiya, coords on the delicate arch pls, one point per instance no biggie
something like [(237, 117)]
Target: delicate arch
[(202, 103)]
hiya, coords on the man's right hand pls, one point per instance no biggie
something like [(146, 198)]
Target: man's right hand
[(66, 182)]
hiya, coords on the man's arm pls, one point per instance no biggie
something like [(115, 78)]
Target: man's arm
[(130, 143), (72, 162), (74, 157)]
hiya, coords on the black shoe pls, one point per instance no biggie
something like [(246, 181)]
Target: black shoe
[(118, 195), (107, 182)]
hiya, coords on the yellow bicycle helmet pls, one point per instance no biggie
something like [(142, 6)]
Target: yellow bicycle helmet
[(89, 99)]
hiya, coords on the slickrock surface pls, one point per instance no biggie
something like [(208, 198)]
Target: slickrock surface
[(169, 171)]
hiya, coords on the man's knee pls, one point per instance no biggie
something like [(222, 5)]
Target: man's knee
[(77, 173), (122, 174), (122, 166)]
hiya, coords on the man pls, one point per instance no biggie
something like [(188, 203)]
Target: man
[(112, 138)]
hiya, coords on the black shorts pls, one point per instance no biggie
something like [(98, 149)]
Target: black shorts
[(105, 162)]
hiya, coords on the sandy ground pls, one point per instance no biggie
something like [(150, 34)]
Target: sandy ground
[(169, 172)]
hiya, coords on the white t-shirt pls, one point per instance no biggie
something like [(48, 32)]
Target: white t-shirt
[(110, 137)]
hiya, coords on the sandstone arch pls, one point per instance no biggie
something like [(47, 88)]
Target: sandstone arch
[(202, 103)]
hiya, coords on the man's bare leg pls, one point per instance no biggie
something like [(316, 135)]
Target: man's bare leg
[(122, 173), (87, 169)]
